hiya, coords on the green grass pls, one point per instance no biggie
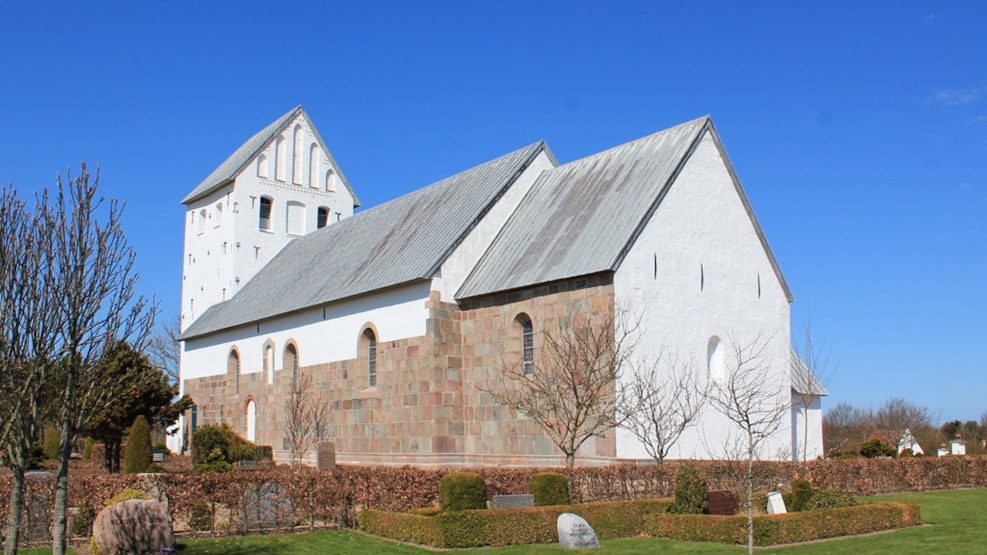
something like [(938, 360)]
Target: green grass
[(957, 523)]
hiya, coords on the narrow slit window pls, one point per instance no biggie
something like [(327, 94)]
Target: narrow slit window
[(527, 348), (265, 213), (371, 358)]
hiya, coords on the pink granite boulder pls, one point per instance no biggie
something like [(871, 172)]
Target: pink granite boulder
[(134, 526)]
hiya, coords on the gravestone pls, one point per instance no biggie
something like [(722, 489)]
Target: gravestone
[(776, 505), (266, 506), (36, 519), (513, 501), (326, 456), (575, 532), (134, 526), (722, 503)]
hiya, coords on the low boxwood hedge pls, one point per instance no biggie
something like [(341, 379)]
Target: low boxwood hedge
[(785, 528), (492, 527)]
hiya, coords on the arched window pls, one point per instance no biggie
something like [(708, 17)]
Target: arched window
[(219, 215), (527, 345), (251, 410), (370, 340), (262, 166), (202, 220), (291, 360), (330, 180), (279, 158), (295, 224), (269, 362), (313, 166), (233, 367), (717, 359), (266, 204), (296, 156), (322, 219)]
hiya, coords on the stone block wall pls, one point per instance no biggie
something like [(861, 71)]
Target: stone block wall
[(431, 404)]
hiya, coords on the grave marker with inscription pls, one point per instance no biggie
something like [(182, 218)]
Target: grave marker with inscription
[(133, 526), (575, 532)]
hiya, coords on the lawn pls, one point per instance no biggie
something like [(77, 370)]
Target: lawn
[(956, 519)]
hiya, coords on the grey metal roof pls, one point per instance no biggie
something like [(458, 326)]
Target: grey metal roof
[(228, 170), (804, 381), (582, 218), (401, 241)]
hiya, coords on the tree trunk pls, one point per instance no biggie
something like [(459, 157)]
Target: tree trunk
[(570, 460), (17, 462), (58, 544), (750, 499)]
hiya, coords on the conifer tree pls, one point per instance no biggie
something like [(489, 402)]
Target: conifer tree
[(138, 451)]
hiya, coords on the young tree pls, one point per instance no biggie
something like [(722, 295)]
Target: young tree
[(99, 308), (810, 372), (659, 402), (754, 399), (305, 419), (571, 391)]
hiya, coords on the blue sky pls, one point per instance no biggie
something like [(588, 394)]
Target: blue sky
[(859, 131)]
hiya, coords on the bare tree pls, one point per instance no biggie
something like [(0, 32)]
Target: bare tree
[(163, 348), (571, 390), (659, 402), (897, 415), (305, 419), (810, 372), (99, 308), (28, 330), (845, 427), (752, 397)]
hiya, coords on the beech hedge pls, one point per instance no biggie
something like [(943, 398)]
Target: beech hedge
[(785, 528), (495, 527)]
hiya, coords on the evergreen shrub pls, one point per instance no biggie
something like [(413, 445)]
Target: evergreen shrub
[(220, 436), (550, 488), (460, 491), (137, 457), (202, 517), (801, 494), (215, 462), (829, 499), (53, 438), (875, 448), (87, 448), (691, 491)]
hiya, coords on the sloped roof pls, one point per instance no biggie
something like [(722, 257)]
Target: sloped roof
[(228, 170), (582, 218), (401, 241), (804, 381)]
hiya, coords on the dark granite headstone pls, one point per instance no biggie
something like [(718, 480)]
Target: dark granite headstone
[(513, 501), (722, 503), (326, 456)]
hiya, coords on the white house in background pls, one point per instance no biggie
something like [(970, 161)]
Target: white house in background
[(403, 313)]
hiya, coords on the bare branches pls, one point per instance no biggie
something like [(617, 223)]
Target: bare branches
[(750, 396), (810, 372), (659, 401), (305, 419), (571, 393), (163, 349)]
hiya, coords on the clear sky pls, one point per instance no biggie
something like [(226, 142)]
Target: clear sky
[(859, 131)]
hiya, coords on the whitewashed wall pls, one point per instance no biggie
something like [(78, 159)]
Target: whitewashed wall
[(460, 263), (693, 274), (225, 253), (321, 337)]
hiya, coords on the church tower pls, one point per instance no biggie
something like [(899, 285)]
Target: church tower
[(280, 184)]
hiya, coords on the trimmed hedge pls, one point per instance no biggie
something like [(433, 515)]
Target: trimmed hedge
[(493, 527), (550, 488), (460, 491), (785, 528)]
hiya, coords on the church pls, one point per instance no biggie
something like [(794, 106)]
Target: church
[(402, 314)]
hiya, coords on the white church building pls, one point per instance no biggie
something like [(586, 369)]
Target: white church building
[(403, 314)]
